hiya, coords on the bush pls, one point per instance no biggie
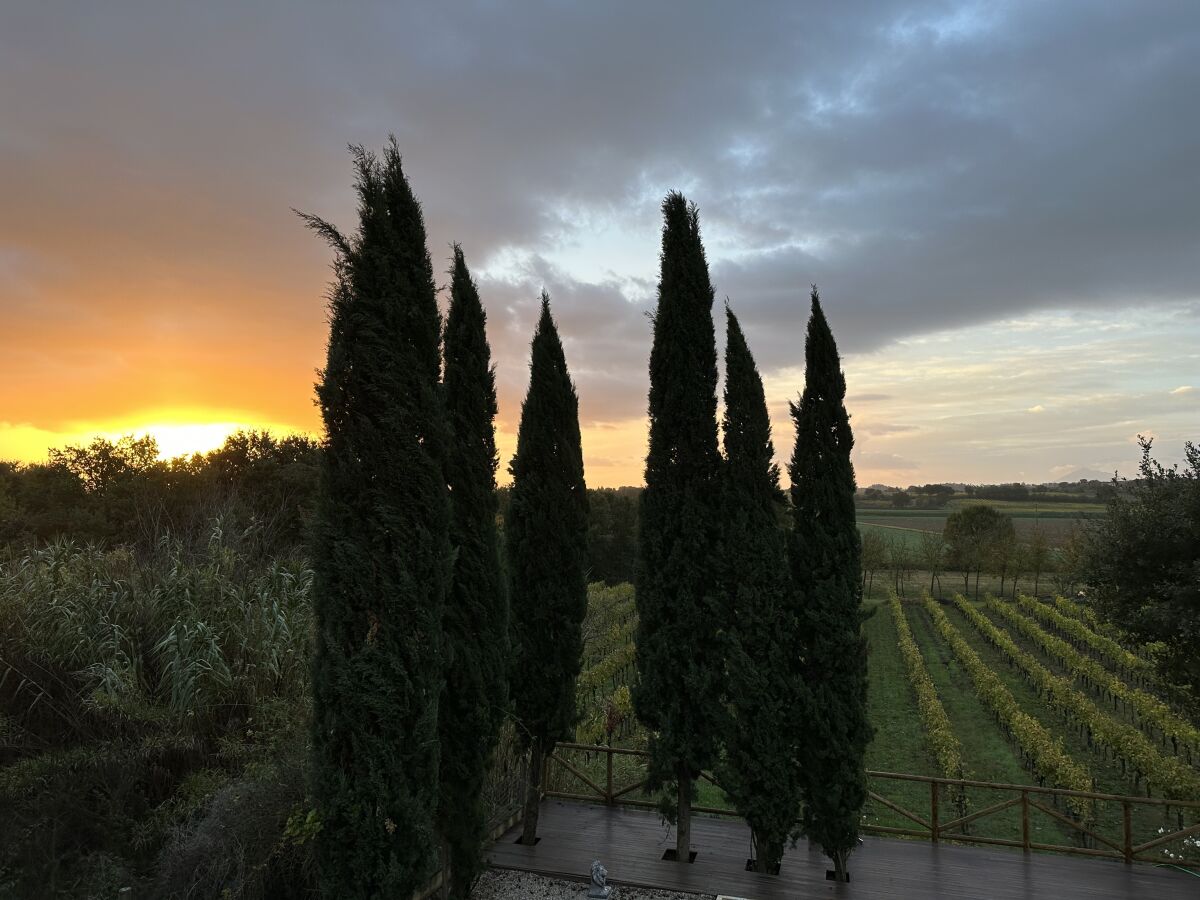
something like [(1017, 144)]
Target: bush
[(133, 687)]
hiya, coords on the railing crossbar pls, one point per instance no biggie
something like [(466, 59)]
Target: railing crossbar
[(908, 814), (932, 829), (980, 813)]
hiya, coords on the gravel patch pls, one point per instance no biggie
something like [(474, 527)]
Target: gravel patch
[(509, 884)]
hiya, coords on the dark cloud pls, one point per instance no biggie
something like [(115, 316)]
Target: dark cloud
[(927, 164)]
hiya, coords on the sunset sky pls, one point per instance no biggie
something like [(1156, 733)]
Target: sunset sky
[(999, 201)]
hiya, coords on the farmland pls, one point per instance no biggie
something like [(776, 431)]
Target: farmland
[(1056, 520), (1032, 693)]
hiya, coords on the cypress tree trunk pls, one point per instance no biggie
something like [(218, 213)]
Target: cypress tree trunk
[(381, 551), (533, 793), (683, 825), (679, 636), (546, 530)]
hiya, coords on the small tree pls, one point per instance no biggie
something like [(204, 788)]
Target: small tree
[(1143, 562), (970, 535), (900, 559), (381, 553), (1018, 563), (546, 532), (1001, 554), (932, 552), (874, 557), (680, 611), (476, 618), (1068, 562), (1038, 555), (825, 552), (765, 686)]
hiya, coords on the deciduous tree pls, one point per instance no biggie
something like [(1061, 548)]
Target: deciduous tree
[(971, 536), (1142, 562)]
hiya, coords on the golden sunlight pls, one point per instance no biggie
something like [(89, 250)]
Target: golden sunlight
[(178, 433)]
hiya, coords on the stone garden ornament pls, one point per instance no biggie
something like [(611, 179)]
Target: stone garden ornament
[(599, 889)]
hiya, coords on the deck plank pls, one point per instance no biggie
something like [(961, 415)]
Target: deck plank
[(631, 842)]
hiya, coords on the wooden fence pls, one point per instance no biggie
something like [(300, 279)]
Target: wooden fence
[(588, 782)]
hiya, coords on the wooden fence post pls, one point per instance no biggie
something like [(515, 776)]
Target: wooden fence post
[(933, 811), (608, 797), (1025, 820), (1127, 822)]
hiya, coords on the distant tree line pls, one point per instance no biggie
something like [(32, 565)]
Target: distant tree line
[(119, 492), (936, 496)]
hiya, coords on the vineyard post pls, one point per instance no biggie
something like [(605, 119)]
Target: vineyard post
[(1025, 820), (933, 811), (1126, 820)]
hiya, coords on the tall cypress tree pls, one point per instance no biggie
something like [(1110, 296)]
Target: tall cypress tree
[(679, 690), (546, 532), (825, 552), (381, 549), (476, 617), (764, 681)]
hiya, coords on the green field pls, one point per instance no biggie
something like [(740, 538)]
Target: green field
[(1057, 522)]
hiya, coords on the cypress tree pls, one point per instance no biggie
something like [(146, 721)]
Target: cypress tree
[(381, 549), (475, 623), (678, 637), (825, 551), (546, 536), (764, 681)]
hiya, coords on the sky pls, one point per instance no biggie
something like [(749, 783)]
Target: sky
[(1000, 203)]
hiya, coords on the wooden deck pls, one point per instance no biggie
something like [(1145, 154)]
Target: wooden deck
[(631, 843)]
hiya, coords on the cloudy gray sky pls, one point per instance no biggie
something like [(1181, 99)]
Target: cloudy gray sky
[(998, 200)]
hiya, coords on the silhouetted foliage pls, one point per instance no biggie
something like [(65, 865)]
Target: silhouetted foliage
[(825, 551), (680, 609), (1142, 563), (119, 492), (612, 534), (475, 624), (546, 537), (381, 554), (765, 685)]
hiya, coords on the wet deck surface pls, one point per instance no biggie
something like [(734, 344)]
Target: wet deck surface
[(631, 842)]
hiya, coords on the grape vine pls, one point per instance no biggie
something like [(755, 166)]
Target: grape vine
[(942, 740), (1045, 754), (1079, 632), (1150, 712)]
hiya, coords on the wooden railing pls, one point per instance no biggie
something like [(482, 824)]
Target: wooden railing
[(592, 786)]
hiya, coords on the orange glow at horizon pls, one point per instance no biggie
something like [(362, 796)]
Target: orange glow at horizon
[(177, 432), (613, 452)]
